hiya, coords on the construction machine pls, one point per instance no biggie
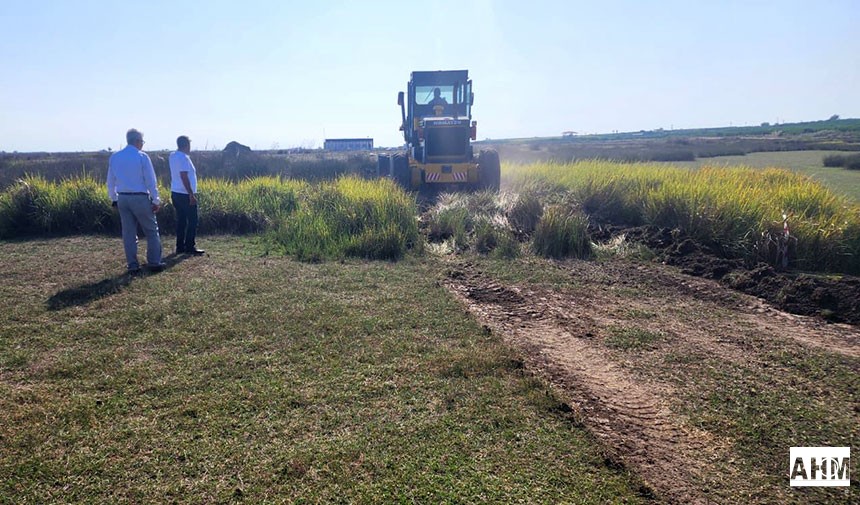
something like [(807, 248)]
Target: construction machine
[(437, 124)]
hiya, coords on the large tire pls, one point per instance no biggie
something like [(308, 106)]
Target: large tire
[(383, 165), (400, 171), (489, 170)]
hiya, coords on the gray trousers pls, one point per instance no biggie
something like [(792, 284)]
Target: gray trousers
[(136, 210)]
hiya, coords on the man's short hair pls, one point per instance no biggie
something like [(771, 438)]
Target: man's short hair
[(133, 136), (182, 142)]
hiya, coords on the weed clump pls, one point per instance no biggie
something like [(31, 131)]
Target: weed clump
[(561, 234), (524, 213)]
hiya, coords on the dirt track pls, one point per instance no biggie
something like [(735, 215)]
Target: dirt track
[(562, 334)]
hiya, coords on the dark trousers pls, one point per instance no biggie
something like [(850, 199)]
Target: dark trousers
[(186, 222)]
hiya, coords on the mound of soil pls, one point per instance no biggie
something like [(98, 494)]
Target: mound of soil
[(833, 298)]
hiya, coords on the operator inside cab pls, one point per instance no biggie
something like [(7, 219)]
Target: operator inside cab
[(438, 102), (438, 99)]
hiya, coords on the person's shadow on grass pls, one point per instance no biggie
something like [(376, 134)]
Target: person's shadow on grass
[(87, 293)]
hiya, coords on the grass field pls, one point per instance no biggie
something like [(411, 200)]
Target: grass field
[(839, 180), (279, 368), (245, 378)]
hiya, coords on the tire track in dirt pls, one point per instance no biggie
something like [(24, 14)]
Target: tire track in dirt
[(562, 335), (631, 418), (837, 338)]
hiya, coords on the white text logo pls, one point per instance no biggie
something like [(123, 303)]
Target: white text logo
[(819, 466)]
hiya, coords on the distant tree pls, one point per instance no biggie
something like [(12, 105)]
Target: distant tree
[(834, 117), (765, 124)]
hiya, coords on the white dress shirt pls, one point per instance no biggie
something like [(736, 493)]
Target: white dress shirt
[(130, 171), (181, 162)]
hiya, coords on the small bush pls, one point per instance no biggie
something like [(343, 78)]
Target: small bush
[(834, 160), (853, 162), (248, 206), (562, 234), (456, 215), (380, 243)]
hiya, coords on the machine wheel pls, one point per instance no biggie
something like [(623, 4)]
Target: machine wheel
[(489, 170), (383, 165), (400, 171)]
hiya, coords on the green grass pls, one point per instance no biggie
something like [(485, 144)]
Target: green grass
[(798, 399), (240, 378)]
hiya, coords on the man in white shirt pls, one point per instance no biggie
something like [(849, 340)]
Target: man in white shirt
[(133, 189), (183, 194)]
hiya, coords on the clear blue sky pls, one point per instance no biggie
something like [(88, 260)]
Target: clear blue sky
[(76, 75)]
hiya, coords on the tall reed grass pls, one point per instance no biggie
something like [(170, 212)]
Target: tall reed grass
[(735, 210), (247, 206), (346, 217), (35, 206), (372, 219)]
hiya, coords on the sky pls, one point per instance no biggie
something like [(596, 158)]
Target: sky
[(75, 75)]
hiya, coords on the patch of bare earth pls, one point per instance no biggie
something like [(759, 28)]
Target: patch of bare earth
[(563, 334)]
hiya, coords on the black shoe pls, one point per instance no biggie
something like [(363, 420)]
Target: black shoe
[(195, 251), (133, 271), (156, 268), (180, 251)]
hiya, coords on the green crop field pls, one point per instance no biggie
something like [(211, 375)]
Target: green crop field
[(839, 180)]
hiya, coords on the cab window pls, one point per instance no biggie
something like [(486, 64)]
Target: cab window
[(424, 94)]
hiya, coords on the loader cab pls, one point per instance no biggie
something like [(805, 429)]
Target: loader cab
[(437, 124), (453, 100)]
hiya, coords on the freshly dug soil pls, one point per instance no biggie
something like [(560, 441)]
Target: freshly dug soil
[(835, 298)]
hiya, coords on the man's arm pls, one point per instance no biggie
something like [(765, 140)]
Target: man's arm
[(184, 170), (192, 200), (111, 184), (151, 183)]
